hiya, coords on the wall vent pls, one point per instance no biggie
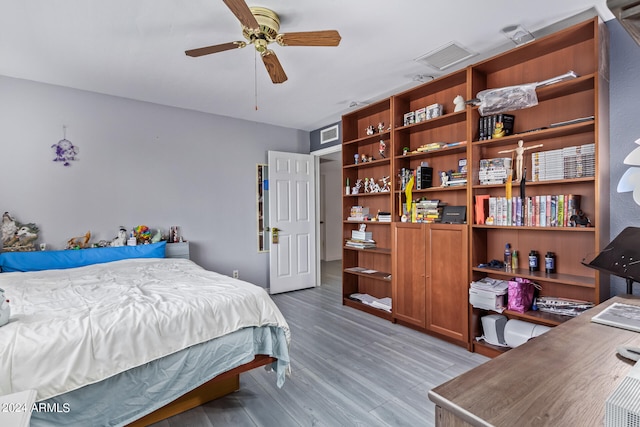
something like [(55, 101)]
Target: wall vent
[(329, 134), (445, 56)]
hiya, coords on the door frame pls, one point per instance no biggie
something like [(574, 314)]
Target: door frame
[(316, 159)]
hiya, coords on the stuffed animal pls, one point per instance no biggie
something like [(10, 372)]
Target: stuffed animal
[(79, 242), (18, 237)]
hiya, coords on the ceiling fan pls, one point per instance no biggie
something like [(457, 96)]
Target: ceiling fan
[(260, 27)]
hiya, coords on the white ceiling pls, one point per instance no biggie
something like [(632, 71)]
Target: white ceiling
[(135, 49)]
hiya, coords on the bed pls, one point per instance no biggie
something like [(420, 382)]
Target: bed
[(133, 339)]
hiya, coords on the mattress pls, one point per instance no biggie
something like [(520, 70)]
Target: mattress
[(79, 326)]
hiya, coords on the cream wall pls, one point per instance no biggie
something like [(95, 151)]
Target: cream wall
[(139, 163)]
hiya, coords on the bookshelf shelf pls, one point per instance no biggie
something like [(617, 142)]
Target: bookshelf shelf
[(523, 228), (567, 279), (368, 164), (376, 137), (378, 275)]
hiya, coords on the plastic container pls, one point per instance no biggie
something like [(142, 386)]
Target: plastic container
[(534, 264), (550, 262), (507, 257)]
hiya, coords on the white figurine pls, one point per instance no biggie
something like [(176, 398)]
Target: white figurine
[(444, 179), (459, 103), (366, 185), (358, 186), (121, 239), (385, 184), (519, 150)]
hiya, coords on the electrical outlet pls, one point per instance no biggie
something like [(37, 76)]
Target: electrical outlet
[(235, 274)]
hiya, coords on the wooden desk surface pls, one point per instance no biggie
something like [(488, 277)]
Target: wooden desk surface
[(561, 378)]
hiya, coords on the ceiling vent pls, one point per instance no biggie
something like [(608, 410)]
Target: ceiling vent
[(445, 57)]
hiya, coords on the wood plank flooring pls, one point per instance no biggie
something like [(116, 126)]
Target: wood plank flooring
[(348, 369)]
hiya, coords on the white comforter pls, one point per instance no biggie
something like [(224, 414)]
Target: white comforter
[(69, 328)]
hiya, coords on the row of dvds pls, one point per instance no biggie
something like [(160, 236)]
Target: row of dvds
[(564, 163)]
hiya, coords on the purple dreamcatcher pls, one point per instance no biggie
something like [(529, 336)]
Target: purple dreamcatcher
[(64, 150)]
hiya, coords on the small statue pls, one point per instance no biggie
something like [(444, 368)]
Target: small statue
[(354, 190), (459, 103), (364, 158), (382, 149), (499, 131), (121, 238), (356, 158), (385, 184), (519, 150), (444, 179), (79, 242), (366, 185), (579, 219), (157, 237), (370, 130), (381, 127)]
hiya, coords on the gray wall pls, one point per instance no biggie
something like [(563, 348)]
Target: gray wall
[(314, 138), (139, 163), (625, 129)]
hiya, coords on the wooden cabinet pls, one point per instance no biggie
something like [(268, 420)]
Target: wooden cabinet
[(430, 286), (580, 49)]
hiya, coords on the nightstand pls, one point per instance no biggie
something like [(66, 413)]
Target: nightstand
[(177, 250)]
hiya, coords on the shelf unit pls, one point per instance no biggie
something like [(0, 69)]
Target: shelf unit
[(579, 49), (356, 142)]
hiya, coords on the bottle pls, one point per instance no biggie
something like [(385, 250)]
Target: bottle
[(507, 257), (533, 261), (550, 262), (514, 260)]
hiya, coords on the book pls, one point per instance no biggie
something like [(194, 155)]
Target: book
[(481, 208), (620, 315)]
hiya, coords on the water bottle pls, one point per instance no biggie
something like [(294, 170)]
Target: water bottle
[(507, 257)]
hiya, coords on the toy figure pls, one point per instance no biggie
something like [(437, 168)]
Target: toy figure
[(382, 148), (356, 158), (444, 179), (381, 127), (364, 158), (370, 130), (385, 184), (519, 150), (358, 186), (366, 185)]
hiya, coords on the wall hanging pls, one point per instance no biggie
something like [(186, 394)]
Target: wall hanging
[(64, 150)]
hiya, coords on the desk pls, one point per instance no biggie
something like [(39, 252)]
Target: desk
[(561, 378)]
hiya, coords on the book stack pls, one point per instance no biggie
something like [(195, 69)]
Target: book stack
[(487, 124), (361, 235), (429, 211), (360, 244), (384, 216), (494, 171), (359, 213), (565, 163)]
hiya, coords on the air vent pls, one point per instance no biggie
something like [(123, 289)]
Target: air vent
[(445, 57), (329, 134)]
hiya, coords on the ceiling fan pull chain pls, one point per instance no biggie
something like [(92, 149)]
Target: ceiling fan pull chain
[(255, 76)]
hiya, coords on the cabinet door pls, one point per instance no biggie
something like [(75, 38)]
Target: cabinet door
[(447, 281), (408, 272)]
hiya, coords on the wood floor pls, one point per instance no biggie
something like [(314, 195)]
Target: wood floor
[(348, 369)]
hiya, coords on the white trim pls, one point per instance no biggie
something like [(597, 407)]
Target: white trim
[(327, 150)]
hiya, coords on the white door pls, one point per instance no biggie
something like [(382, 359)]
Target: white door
[(292, 215)]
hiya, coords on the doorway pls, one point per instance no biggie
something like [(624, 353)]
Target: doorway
[(330, 213)]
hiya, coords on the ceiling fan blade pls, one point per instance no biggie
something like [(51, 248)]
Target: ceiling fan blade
[(243, 13), (214, 49), (310, 38), (275, 70)]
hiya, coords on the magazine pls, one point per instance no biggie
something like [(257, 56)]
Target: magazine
[(619, 315)]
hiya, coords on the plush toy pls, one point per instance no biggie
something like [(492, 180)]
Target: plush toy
[(17, 237), (79, 242), (142, 234)]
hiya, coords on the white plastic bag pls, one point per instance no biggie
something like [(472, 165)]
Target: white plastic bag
[(500, 100)]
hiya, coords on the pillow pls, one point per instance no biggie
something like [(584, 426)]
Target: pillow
[(57, 260)]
